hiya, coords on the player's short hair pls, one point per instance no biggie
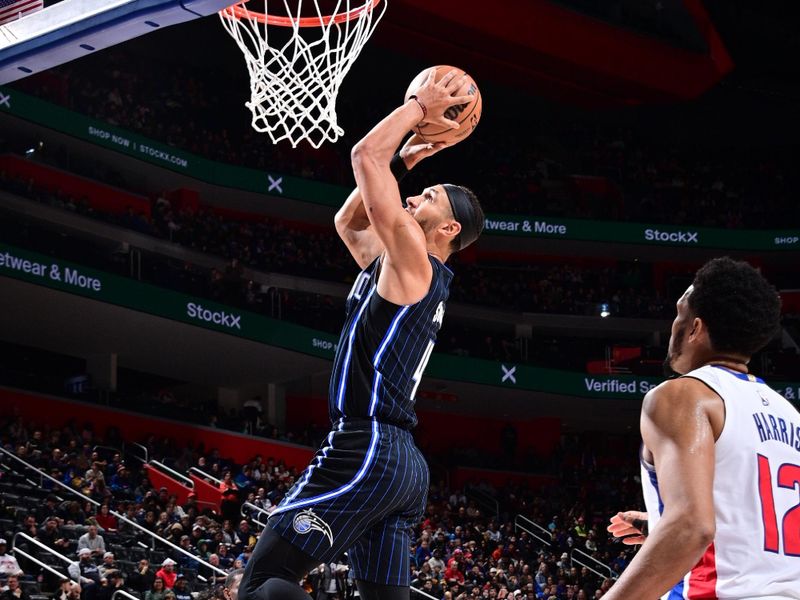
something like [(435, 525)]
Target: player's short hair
[(477, 215), (741, 309)]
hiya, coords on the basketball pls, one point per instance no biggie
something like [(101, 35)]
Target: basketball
[(467, 115)]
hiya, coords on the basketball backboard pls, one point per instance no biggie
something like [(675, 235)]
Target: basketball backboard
[(73, 28)]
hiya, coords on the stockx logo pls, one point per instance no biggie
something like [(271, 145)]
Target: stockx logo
[(220, 317), (5, 100), (674, 237)]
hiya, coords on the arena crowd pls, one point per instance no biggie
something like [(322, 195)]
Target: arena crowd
[(461, 549)]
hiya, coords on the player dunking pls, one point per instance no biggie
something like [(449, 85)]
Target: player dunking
[(720, 456), (367, 485)]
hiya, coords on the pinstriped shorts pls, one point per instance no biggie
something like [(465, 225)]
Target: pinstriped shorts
[(363, 492)]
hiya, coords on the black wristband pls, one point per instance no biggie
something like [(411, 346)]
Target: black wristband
[(398, 167), (641, 525)]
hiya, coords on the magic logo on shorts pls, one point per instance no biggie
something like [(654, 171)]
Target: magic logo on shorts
[(306, 521)]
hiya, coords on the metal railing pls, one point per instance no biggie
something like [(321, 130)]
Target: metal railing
[(582, 558), (258, 509), (486, 500), (112, 448), (421, 593), (577, 556), (124, 594), (533, 529), (203, 475), (18, 551), (121, 517), (187, 481), (145, 454)]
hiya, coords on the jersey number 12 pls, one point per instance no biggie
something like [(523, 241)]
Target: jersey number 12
[(788, 478)]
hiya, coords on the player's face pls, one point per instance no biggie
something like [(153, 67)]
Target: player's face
[(430, 208), (676, 356)]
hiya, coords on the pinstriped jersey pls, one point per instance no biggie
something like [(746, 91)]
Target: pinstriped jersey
[(756, 548), (384, 348)]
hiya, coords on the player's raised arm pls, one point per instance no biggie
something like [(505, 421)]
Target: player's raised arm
[(401, 236), (352, 223), (677, 430)]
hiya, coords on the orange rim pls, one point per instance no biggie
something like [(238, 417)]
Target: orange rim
[(239, 11)]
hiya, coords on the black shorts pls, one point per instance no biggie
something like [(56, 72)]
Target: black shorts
[(363, 492)]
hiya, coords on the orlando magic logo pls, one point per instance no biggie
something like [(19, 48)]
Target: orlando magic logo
[(306, 521)]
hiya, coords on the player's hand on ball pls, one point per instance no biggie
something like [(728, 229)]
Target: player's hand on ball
[(630, 525), (437, 97), (415, 149)]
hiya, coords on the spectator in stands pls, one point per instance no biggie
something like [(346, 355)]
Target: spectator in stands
[(174, 533), (167, 573), (8, 563), (244, 535), (113, 465), (435, 562), (29, 525), (181, 589), (105, 519), (69, 591), (174, 510), (85, 572), (114, 582), (261, 499), (120, 482), (93, 541), (157, 590), (51, 536), (71, 512), (163, 497), (48, 509), (230, 505), (141, 580), (328, 580), (225, 559), (213, 576), (227, 484), (244, 479), (12, 590), (140, 491), (231, 590), (108, 564), (184, 561), (92, 473)]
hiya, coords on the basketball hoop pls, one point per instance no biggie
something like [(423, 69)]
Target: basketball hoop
[(294, 84)]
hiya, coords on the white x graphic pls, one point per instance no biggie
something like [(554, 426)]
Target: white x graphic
[(508, 373), (275, 184), (5, 100)]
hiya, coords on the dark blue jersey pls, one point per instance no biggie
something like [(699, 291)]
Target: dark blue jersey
[(384, 348)]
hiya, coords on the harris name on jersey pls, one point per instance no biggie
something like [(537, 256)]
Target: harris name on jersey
[(775, 428)]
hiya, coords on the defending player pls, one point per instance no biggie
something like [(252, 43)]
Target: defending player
[(368, 483), (720, 455)]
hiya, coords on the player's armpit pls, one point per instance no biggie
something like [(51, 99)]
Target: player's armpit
[(356, 231), (401, 236)]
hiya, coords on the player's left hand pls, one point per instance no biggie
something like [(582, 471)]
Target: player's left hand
[(438, 96), (630, 525), (416, 149)]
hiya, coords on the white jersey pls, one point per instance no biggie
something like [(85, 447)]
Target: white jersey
[(756, 549)]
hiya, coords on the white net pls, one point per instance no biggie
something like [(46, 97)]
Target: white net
[(296, 67)]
